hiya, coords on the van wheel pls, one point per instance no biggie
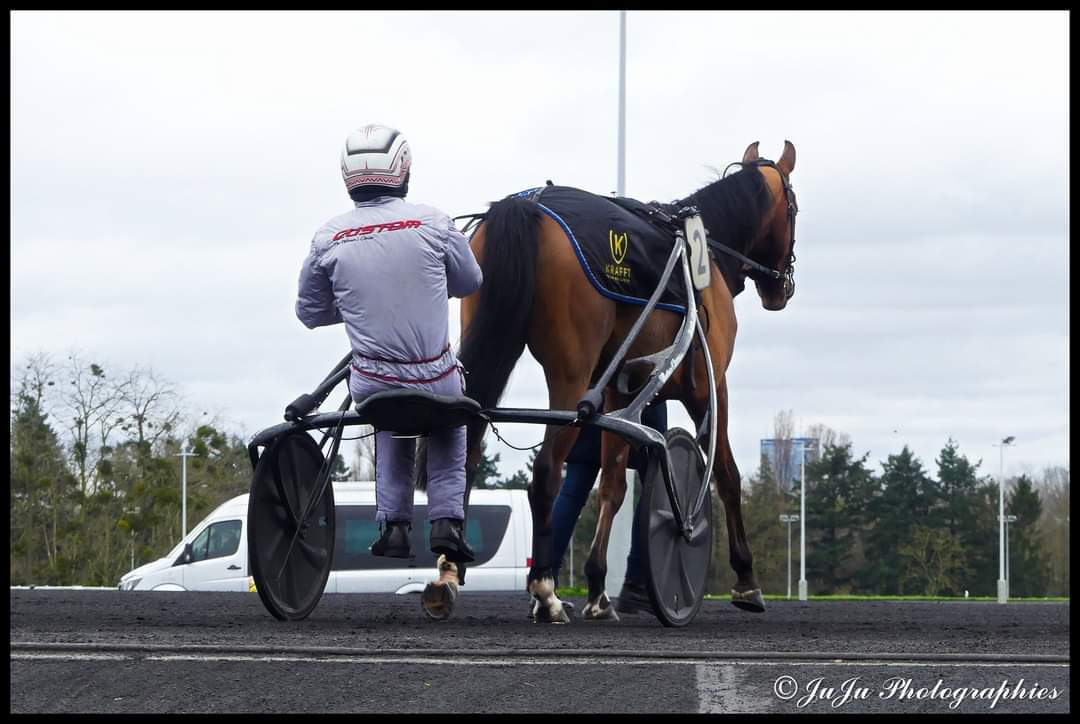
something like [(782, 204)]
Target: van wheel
[(290, 553)]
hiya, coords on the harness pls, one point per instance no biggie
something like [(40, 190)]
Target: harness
[(792, 210), (670, 219)]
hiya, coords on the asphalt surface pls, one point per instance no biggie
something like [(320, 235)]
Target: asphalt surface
[(107, 651)]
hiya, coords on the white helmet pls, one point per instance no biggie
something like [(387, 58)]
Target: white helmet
[(375, 156)]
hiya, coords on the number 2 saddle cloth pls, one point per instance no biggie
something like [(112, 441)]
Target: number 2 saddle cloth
[(622, 253)]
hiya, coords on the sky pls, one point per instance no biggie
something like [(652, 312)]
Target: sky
[(170, 168)]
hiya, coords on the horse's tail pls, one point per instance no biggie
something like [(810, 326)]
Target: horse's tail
[(495, 339), (497, 333)]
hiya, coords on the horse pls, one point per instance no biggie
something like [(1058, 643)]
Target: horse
[(536, 294)]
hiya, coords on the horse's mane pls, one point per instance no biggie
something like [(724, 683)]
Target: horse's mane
[(733, 209)]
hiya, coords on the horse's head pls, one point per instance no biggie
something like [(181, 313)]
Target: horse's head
[(774, 246)]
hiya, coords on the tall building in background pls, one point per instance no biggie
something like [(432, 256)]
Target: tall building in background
[(785, 456)]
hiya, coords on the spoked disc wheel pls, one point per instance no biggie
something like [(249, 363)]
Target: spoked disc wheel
[(290, 553), (676, 568)]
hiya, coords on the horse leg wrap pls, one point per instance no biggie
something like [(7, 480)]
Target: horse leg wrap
[(550, 609)]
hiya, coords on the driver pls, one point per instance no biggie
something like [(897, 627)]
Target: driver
[(386, 268)]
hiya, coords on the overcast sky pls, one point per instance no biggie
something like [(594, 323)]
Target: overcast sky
[(170, 169)]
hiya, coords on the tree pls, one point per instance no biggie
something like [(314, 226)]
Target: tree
[(487, 471), (518, 481), (931, 558), (762, 503), (364, 453), (826, 436), (152, 407), (981, 546), (1054, 528), (91, 401), (1029, 569), (522, 478), (959, 513), (905, 494), (838, 488), (783, 432), (41, 485)]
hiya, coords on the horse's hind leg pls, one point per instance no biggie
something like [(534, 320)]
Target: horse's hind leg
[(615, 453), (547, 477)]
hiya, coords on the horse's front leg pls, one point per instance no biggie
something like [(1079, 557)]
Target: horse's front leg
[(746, 594), (614, 456), (547, 477)]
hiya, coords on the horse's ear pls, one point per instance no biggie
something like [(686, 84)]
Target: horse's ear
[(787, 160), (751, 153)]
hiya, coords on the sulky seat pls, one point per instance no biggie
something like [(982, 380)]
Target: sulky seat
[(411, 412)]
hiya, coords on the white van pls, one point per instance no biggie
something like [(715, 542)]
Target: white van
[(213, 556)]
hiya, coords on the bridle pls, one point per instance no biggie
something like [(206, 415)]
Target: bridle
[(788, 275), (662, 218)]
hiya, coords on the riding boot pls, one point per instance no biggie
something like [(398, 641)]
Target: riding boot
[(394, 541), (633, 598), (448, 539)]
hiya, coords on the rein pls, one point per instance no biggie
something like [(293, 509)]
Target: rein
[(792, 210), (473, 221), (661, 218), (672, 223)]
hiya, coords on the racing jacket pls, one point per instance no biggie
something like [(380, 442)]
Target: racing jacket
[(386, 269)]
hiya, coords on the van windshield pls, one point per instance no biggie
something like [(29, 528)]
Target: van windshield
[(357, 529)]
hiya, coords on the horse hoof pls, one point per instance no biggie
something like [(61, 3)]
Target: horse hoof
[(438, 600), (748, 600), (543, 615), (600, 611)]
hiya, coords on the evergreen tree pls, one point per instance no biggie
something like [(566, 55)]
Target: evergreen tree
[(487, 472), (340, 472), (518, 481), (762, 504), (959, 514), (980, 572), (957, 482), (522, 478), (1029, 568), (42, 491), (836, 517), (907, 498)]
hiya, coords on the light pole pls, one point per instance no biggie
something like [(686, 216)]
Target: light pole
[(1003, 582), (183, 455), (571, 559), (1008, 519), (789, 519), (802, 520), (621, 179)]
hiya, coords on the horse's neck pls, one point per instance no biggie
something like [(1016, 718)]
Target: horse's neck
[(731, 225)]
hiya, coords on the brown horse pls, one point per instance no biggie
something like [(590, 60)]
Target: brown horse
[(535, 293)]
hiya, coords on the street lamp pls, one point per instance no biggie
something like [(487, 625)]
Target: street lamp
[(802, 519), (1008, 519), (184, 455), (789, 519), (1003, 582), (621, 170)]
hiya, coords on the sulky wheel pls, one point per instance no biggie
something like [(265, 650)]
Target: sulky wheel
[(676, 568), (290, 554)]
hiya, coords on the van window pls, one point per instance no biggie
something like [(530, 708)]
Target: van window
[(357, 529), (218, 540)]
